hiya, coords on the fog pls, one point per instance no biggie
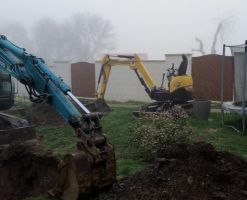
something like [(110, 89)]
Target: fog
[(155, 27)]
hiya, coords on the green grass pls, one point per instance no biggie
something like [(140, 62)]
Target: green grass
[(222, 138), (59, 139), (130, 103), (117, 125)]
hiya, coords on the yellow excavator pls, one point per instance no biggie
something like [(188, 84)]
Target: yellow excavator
[(179, 90)]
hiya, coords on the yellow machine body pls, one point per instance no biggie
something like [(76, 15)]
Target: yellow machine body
[(180, 82), (179, 87)]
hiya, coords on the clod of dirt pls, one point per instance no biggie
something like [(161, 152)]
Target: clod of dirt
[(187, 171), (25, 171), (43, 114)]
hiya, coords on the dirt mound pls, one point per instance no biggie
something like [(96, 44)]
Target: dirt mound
[(187, 171), (43, 114), (25, 171)]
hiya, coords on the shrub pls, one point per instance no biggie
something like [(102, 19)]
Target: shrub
[(155, 131)]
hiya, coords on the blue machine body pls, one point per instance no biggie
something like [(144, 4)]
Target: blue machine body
[(34, 73), (93, 163)]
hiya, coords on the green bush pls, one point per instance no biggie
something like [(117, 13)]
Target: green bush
[(155, 131)]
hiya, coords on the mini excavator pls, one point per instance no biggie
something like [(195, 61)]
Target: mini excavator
[(92, 166), (179, 90)]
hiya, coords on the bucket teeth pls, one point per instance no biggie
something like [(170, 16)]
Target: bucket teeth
[(81, 173)]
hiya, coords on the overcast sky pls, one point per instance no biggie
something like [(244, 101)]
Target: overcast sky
[(155, 27)]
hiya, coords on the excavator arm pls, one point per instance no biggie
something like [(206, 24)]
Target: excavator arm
[(94, 158), (40, 82), (179, 88), (133, 62)]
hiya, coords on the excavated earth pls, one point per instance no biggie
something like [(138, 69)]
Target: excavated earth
[(26, 170), (186, 172), (180, 172), (42, 114)]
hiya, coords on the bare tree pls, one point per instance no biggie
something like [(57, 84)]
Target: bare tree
[(215, 39), (80, 38), (92, 34), (201, 47), (17, 33), (47, 39), (220, 30)]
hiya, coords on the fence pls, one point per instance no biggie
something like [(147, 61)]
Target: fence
[(206, 77)]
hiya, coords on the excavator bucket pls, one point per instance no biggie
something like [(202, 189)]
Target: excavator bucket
[(92, 167), (99, 105), (79, 175)]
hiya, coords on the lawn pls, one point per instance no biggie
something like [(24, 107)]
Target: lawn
[(117, 125), (222, 138)]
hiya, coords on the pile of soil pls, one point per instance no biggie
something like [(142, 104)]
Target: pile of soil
[(42, 114), (25, 171), (187, 171)]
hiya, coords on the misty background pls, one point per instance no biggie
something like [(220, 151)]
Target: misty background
[(83, 30)]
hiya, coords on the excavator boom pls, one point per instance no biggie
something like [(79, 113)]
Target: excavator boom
[(178, 92), (93, 165), (133, 62)]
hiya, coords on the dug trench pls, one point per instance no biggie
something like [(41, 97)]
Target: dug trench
[(180, 172), (186, 172), (26, 170)]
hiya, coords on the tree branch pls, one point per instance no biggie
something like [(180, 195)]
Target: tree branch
[(213, 49), (201, 46)]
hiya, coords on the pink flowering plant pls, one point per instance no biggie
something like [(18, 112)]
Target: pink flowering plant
[(155, 131)]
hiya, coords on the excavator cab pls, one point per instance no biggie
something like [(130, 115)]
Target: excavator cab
[(12, 129), (180, 84), (6, 91)]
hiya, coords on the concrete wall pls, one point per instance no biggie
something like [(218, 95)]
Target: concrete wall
[(63, 70), (124, 85), (60, 68)]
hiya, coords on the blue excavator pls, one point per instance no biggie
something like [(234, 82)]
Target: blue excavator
[(92, 166)]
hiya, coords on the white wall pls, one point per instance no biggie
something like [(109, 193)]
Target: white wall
[(59, 68), (124, 85), (62, 69)]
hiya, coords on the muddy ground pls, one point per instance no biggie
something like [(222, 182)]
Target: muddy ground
[(26, 171), (42, 114), (181, 172), (186, 172)]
